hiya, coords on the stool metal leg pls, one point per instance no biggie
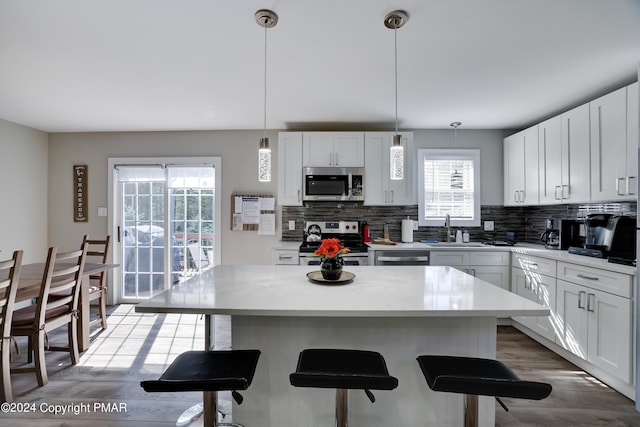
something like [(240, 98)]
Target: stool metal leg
[(342, 407), (471, 411)]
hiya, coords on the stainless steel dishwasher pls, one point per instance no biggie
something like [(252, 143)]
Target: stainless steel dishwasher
[(401, 257)]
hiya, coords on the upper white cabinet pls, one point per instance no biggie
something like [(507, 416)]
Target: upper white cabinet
[(333, 149), (614, 145), (521, 168), (290, 168), (379, 189), (563, 147)]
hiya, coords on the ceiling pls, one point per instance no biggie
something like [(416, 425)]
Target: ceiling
[(145, 65)]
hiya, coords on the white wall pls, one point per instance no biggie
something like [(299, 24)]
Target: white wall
[(23, 178), (491, 164), (238, 150)]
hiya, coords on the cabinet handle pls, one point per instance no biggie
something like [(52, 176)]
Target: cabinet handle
[(298, 195), (629, 178), (521, 196), (473, 272), (562, 193), (335, 158), (283, 257), (589, 308), (391, 196), (580, 303), (385, 196), (618, 186), (558, 187), (584, 276), (330, 159)]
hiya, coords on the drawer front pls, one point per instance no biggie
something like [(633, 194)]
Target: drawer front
[(489, 258), (450, 258), (603, 280), (535, 264), (287, 257)]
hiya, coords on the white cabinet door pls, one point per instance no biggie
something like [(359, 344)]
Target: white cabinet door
[(333, 149), (348, 149), (610, 333), (317, 149), (521, 285), (633, 116), (550, 160), (576, 167), (539, 289), (521, 168), (290, 168), (379, 189), (571, 303), (609, 147), (496, 275)]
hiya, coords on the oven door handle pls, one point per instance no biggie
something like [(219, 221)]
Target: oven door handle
[(403, 258)]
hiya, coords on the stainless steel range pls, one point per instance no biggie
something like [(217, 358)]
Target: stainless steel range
[(349, 234)]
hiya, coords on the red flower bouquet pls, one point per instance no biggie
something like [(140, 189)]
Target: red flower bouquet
[(331, 248)]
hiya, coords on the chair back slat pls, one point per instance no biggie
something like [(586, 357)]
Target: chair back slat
[(8, 289)]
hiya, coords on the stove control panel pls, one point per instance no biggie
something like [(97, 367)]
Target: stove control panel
[(334, 227)]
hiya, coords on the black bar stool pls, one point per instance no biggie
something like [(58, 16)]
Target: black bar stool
[(343, 370), (473, 377), (209, 372)]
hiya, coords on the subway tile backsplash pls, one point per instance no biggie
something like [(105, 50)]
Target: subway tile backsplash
[(528, 222)]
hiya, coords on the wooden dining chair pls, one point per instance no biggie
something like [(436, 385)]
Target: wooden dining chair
[(10, 271), (62, 273), (97, 251)]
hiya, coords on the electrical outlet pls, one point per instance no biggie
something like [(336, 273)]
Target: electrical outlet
[(102, 211), (292, 225), (488, 226)]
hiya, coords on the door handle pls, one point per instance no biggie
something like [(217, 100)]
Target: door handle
[(391, 196), (629, 178), (584, 276), (618, 186), (119, 235), (562, 194), (283, 257), (589, 299), (580, 303), (558, 187)]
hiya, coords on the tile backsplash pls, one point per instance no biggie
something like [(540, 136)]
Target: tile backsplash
[(528, 222)]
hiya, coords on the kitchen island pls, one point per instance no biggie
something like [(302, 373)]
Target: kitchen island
[(402, 312)]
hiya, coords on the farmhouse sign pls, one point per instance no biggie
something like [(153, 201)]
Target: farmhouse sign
[(80, 193)]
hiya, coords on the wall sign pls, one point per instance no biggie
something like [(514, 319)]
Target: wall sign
[(80, 193)]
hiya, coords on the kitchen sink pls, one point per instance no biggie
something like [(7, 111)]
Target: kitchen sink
[(454, 245)]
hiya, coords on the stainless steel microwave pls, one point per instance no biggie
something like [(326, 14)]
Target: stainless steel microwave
[(333, 184)]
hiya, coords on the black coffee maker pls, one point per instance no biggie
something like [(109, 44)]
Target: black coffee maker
[(551, 235), (608, 235)]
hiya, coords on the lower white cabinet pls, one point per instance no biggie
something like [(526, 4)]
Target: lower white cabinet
[(492, 267), (285, 256), (540, 289), (596, 326)]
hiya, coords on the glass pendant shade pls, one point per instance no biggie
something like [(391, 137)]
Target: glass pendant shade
[(264, 161), (397, 158)]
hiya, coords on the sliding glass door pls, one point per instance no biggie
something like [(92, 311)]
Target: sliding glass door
[(167, 219)]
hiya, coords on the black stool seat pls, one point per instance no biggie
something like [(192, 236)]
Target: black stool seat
[(348, 369), (478, 377), (484, 377), (208, 372), (343, 370)]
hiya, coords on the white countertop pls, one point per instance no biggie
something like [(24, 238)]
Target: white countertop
[(276, 290)]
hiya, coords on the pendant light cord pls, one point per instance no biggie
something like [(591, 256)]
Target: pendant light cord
[(264, 127), (395, 50)]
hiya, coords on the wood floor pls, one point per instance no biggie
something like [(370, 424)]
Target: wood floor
[(137, 347)]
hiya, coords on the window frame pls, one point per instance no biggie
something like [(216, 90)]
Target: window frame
[(449, 154)]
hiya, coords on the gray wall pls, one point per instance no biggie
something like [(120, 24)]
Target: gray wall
[(22, 227), (23, 174)]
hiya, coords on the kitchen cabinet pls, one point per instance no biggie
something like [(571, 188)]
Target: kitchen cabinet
[(593, 324), (333, 149), (285, 256), (521, 186), (563, 154), (528, 281), (290, 168), (379, 189), (492, 267), (614, 145)]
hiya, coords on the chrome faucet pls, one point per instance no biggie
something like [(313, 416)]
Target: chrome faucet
[(447, 224)]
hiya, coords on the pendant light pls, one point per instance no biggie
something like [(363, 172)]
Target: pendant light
[(267, 19), (395, 20), (456, 177)]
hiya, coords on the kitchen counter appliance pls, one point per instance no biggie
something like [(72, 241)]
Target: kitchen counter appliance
[(348, 232), (333, 184), (562, 233), (608, 235)]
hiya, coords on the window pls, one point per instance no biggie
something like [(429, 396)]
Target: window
[(449, 182)]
